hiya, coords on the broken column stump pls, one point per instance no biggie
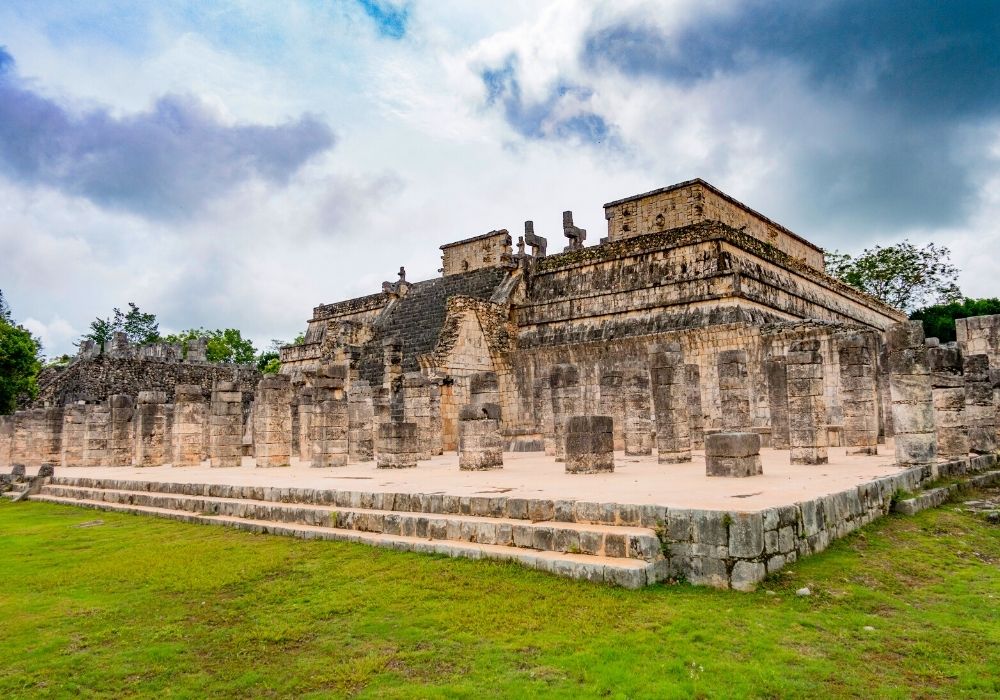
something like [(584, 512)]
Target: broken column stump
[(480, 446), (589, 445), (807, 434), (733, 454), (397, 445)]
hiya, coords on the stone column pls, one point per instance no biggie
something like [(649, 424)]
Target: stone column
[(541, 395), (858, 394), (590, 446), (807, 433), (6, 441), (437, 420), (20, 449), (74, 433), (151, 441), (980, 413), (638, 412), (273, 421), (190, 418), (397, 445), (995, 379), (696, 412), (417, 409), (96, 452), (480, 446), (360, 422), (912, 399), (122, 438), (734, 391), (50, 451), (329, 418), (670, 401), (777, 396), (733, 455), (225, 423), (305, 409), (612, 403), (564, 382), (948, 394)]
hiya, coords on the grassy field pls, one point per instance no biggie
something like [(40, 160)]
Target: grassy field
[(142, 607)]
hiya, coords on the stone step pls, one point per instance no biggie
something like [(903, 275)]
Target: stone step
[(629, 573), (599, 540), (493, 506)]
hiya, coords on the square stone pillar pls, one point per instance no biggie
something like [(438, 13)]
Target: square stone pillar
[(151, 437), (670, 402), (995, 380), (360, 422), (122, 439), (273, 421), (188, 433), (858, 393), (948, 394), (397, 445), (777, 398), (96, 451), (6, 441), (305, 411), (913, 423), (541, 396), (567, 400), (696, 412), (980, 413), (612, 403), (437, 420), (20, 449), (417, 409), (638, 412), (50, 446), (480, 446), (225, 422), (734, 391), (590, 446), (733, 455), (807, 433), (74, 432), (329, 418)]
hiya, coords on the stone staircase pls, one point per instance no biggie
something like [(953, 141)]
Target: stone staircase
[(579, 541)]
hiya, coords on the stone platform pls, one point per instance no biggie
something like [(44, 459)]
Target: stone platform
[(643, 523)]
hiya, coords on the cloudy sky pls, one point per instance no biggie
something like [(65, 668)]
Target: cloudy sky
[(234, 163)]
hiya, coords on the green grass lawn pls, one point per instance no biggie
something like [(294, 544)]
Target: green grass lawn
[(909, 607)]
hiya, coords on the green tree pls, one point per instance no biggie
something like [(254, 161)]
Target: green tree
[(939, 320), (222, 345), (140, 328), (901, 275), (20, 361)]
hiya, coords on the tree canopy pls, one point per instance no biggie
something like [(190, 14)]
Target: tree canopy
[(902, 275), (20, 361), (222, 345), (140, 328), (939, 320)]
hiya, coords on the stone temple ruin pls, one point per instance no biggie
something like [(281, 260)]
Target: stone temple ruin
[(697, 327)]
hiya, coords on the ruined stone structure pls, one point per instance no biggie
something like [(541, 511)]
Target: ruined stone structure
[(695, 323)]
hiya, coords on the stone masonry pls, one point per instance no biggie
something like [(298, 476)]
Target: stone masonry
[(734, 391), (329, 418), (807, 435), (74, 434), (480, 446), (948, 393), (858, 394), (122, 435), (225, 438), (912, 398), (777, 394), (396, 445), (189, 445), (638, 433), (96, 452), (670, 402), (980, 413), (732, 454), (273, 421), (564, 381), (360, 421), (152, 439), (590, 446)]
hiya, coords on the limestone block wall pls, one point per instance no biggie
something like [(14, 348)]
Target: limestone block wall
[(980, 335), (273, 422), (74, 434), (696, 201), (97, 439), (152, 429), (189, 444), (6, 440), (488, 250)]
